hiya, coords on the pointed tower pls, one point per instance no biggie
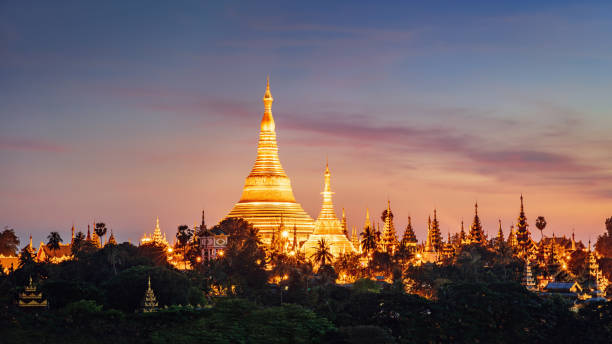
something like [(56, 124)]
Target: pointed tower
[(149, 302), (429, 242), (476, 233), (267, 190), (436, 235), (500, 234), (327, 226), (389, 237), (88, 237), (72, 236), (94, 236), (573, 249), (409, 239), (512, 238), (430, 254), (462, 236), (523, 237), (111, 239)]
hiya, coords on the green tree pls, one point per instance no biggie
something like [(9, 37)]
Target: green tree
[(100, 230), (323, 253), (9, 242)]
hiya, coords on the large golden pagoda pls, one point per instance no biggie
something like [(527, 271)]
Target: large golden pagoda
[(328, 227), (267, 193)]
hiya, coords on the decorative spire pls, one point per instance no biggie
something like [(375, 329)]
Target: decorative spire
[(367, 219), (389, 237), (327, 209), (500, 233), (149, 303), (267, 122), (523, 237), (476, 232)]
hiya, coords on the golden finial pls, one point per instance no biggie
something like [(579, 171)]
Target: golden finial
[(267, 122)]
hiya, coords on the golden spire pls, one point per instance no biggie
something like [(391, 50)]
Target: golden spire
[(267, 122), (267, 190), (327, 209)]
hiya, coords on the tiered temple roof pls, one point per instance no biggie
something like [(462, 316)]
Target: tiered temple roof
[(149, 302), (476, 233), (389, 237), (31, 297)]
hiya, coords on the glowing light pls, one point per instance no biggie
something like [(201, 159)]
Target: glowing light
[(220, 253), (170, 250), (267, 195), (285, 234), (199, 259)]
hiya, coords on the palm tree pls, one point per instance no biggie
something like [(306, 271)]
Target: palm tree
[(323, 253), (100, 230), (54, 240), (541, 224), (369, 240)]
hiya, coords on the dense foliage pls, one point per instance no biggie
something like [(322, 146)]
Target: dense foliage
[(96, 298)]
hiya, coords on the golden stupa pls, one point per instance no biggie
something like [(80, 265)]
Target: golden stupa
[(267, 193), (328, 227)]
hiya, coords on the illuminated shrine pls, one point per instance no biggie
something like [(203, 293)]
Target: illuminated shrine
[(267, 193)]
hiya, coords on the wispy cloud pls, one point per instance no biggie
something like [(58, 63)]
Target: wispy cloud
[(31, 145)]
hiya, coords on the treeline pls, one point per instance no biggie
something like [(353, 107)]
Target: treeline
[(95, 298)]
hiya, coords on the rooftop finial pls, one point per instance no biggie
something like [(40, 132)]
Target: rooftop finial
[(267, 122)]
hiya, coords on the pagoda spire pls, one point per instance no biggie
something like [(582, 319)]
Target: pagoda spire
[(500, 233), (523, 237), (149, 303), (389, 237), (476, 233), (267, 189), (327, 209), (429, 245), (435, 233)]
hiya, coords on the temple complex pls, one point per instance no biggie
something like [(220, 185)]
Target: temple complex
[(267, 192), (156, 237), (327, 226)]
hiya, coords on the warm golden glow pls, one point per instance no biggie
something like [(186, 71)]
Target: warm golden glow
[(267, 193), (327, 226)]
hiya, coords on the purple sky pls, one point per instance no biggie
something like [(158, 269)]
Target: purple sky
[(122, 112)]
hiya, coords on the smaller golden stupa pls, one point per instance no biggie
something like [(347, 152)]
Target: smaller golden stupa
[(149, 303), (31, 297), (327, 226)]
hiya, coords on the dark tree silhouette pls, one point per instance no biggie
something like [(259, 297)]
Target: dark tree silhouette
[(9, 242), (541, 224), (100, 231), (54, 240), (323, 253), (368, 240)]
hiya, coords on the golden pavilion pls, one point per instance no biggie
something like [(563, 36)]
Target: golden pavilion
[(267, 195), (328, 227), (31, 297)]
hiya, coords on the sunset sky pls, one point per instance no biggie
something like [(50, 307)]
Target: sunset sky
[(120, 112)]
